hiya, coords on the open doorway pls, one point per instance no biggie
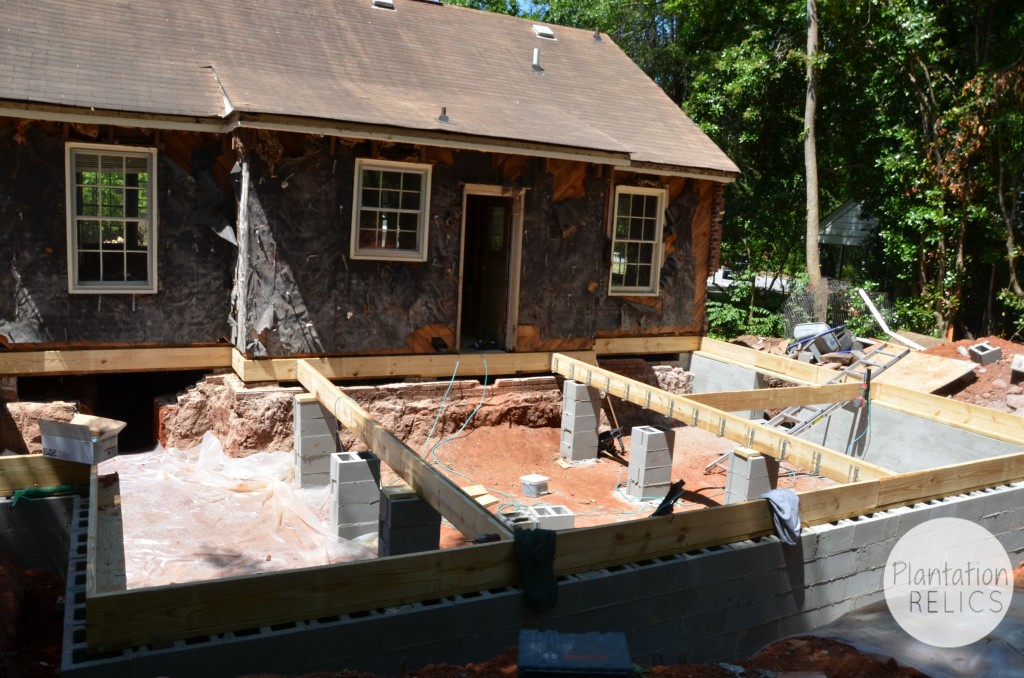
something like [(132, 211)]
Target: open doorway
[(490, 262)]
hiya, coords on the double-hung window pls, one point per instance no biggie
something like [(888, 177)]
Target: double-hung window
[(636, 241), (111, 207), (390, 216)]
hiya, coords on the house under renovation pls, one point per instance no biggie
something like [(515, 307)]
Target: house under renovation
[(358, 192)]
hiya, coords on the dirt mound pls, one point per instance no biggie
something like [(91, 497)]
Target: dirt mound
[(993, 385)]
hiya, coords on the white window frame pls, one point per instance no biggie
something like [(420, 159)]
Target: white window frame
[(651, 290), (110, 287), (423, 222)]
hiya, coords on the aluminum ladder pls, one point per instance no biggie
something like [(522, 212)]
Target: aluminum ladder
[(803, 417)]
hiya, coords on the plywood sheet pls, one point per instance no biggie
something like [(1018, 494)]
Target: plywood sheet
[(926, 373)]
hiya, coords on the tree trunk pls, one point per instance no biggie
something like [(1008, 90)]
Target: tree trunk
[(820, 295)]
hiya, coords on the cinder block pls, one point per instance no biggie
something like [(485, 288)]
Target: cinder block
[(863, 583), (362, 492), (320, 445), (554, 517), (574, 390), (874, 555), (823, 570), (747, 478), (873, 529), (649, 491), (579, 423), (309, 479), (580, 408), (400, 506), (651, 475), (519, 520), (348, 467), (650, 438), (833, 539), (984, 353), (356, 530), (347, 514), (579, 447)]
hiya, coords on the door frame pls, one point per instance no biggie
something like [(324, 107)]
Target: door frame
[(515, 258)]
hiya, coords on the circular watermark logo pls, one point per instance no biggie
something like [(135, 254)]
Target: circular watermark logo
[(948, 582)]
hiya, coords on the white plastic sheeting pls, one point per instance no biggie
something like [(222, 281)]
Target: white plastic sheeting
[(198, 514)]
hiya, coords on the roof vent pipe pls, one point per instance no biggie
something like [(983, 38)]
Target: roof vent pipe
[(536, 60)]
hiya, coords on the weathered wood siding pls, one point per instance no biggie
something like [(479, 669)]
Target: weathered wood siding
[(192, 305)]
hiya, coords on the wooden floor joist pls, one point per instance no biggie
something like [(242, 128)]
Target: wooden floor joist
[(448, 499), (770, 398), (807, 455)]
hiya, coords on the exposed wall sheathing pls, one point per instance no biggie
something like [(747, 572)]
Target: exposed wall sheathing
[(195, 265), (304, 295)]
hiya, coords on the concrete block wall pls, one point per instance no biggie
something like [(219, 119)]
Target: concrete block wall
[(710, 605), (710, 376), (316, 439), (902, 442), (36, 532)]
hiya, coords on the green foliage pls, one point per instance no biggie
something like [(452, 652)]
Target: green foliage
[(740, 313)]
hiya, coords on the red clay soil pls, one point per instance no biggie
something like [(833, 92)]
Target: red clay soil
[(497, 456), (993, 383)]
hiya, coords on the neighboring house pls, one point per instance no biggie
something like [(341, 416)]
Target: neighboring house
[(341, 177), (847, 226)]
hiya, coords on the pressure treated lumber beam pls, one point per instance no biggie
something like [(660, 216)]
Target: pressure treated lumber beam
[(402, 366), (104, 564), (770, 398), (815, 458), (762, 361), (163, 613), (982, 420), (99, 361), (640, 345), (437, 490), (34, 470)]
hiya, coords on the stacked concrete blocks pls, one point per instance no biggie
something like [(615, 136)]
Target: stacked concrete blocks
[(520, 520), (316, 439), (581, 409), (748, 476), (355, 494), (554, 517), (650, 462), (408, 524)]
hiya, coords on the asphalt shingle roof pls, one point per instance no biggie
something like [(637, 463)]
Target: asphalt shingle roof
[(348, 61)]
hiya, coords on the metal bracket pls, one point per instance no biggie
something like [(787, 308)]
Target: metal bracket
[(671, 407), (647, 402), (750, 438), (782, 450), (817, 463), (696, 416), (721, 428)]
